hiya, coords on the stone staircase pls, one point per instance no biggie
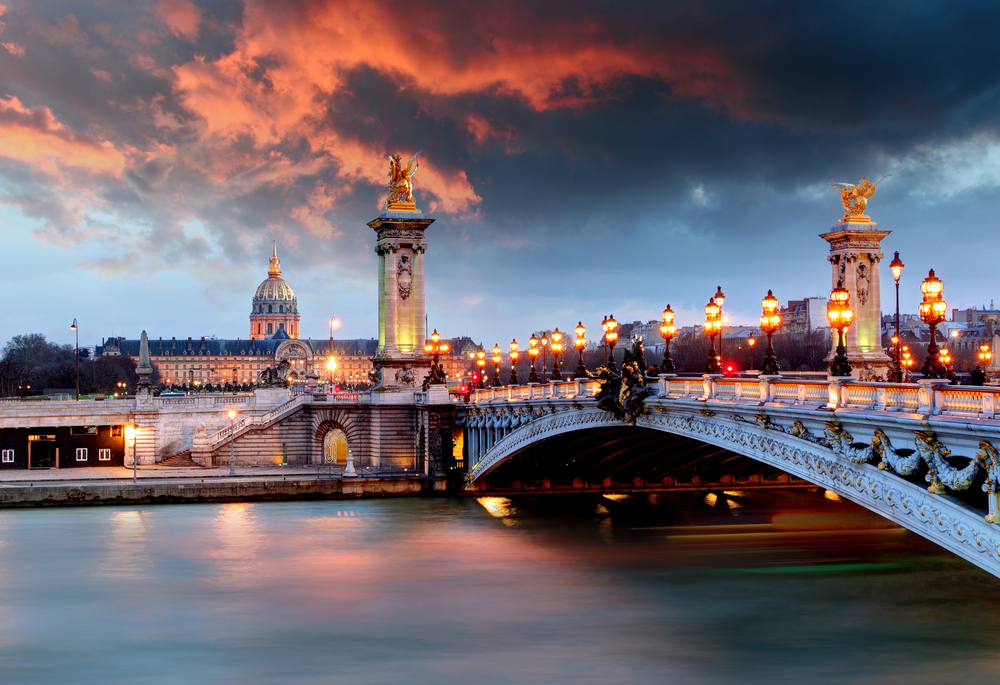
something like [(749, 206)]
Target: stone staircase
[(182, 459)]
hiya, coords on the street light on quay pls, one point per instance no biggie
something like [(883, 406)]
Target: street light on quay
[(232, 442), (514, 354), (752, 341), (496, 366), (932, 312), (896, 266), (130, 437), (985, 355), (331, 366), (713, 325), (557, 348), (667, 331), (840, 314), (610, 338), (533, 355), (770, 321), (581, 344), (76, 329)]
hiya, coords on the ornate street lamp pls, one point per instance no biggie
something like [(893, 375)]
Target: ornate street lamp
[(436, 348), (896, 265), (611, 337), (496, 366), (514, 354), (752, 341), (533, 355), (667, 331), (544, 341), (581, 344), (770, 321), (907, 360), (557, 348), (932, 312), (481, 364), (76, 329), (985, 355), (840, 314), (719, 298), (713, 324)]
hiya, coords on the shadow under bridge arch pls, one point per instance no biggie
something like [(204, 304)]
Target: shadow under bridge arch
[(622, 456)]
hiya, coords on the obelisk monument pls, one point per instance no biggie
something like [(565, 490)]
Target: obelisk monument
[(855, 255)]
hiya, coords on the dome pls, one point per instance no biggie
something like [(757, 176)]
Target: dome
[(274, 289)]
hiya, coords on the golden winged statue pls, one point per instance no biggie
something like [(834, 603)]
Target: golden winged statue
[(401, 183), (855, 198)]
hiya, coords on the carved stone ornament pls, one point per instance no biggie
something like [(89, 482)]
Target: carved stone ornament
[(404, 276), (862, 283), (404, 376)]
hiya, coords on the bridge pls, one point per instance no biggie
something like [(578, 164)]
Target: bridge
[(919, 454)]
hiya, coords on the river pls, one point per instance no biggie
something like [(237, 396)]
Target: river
[(773, 587)]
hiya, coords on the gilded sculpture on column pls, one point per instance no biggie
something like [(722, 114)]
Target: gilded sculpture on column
[(401, 183), (855, 198)]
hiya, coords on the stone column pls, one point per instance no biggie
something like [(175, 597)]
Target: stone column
[(419, 301), (855, 257)]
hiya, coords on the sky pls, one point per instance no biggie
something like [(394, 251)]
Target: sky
[(580, 159)]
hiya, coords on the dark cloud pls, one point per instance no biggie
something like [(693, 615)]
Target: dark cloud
[(572, 150)]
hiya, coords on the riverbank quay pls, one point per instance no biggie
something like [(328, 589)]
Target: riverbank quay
[(173, 485)]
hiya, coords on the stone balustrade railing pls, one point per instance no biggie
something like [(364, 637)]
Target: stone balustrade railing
[(923, 397)]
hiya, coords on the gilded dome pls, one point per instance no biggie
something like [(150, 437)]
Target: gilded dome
[(274, 289)]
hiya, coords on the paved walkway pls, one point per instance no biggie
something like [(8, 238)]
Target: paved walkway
[(146, 473)]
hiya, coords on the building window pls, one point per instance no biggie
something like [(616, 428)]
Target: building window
[(8, 456), (81, 454), (104, 454), (116, 431), (269, 330)]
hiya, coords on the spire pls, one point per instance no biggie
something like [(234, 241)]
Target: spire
[(275, 270)]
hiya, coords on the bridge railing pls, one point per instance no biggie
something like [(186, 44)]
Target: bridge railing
[(922, 397)]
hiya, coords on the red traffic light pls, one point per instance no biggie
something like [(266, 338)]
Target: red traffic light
[(337, 389), (475, 376), (463, 389)]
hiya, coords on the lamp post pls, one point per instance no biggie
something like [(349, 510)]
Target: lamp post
[(557, 348), (838, 311), (667, 331), (713, 324), (481, 364), (896, 265), (331, 366), (533, 355), (130, 436), (232, 442), (907, 361), (514, 354), (496, 366), (932, 312), (544, 341), (770, 321), (436, 348), (580, 343), (985, 355), (719, 299), (752, 341), (611, 337), (76, 329), (604, 327)]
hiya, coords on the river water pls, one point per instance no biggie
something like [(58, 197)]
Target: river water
[(778, 587)]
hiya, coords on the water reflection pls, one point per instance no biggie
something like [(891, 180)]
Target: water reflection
[(788, 588), (127, 557)]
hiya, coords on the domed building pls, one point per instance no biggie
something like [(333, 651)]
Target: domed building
[(275, 307)]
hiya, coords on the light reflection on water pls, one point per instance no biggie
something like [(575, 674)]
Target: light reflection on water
[(577, 590)]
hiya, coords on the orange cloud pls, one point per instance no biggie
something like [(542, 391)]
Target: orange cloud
[(181, 17), (14, 49), (34, 136)]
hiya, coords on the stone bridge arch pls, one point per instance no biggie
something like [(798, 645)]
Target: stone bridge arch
[(325, 420), (943, 519)]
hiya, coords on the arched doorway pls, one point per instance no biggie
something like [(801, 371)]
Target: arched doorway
[(335, 447)]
